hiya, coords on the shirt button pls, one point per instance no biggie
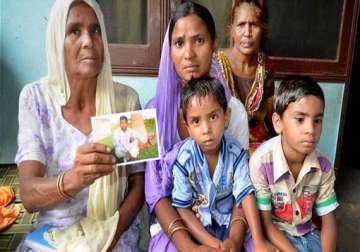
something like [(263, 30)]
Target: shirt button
[(297, 212)]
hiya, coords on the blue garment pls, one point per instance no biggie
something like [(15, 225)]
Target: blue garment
[(212, 198), (309, 242)]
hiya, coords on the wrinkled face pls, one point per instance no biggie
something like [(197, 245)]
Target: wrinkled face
[(83, 46), (206, 121), (123, 124), (191, 48), (246, 29), (300, 126)]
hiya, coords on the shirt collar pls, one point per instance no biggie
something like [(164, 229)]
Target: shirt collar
[(279, 161)]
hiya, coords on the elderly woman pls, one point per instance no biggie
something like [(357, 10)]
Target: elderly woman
[(187, 54), (71, 181), (244, 68)]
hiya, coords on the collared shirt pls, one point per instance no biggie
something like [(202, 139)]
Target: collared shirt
[(213, 198), (125, 137), (290, 201)]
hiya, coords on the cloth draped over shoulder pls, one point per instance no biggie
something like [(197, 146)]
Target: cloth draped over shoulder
[(158, 174), (96, 231)]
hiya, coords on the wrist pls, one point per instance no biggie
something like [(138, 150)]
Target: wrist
[(69, 185)]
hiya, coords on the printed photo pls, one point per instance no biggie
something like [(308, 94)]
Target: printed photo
[(132, 136)]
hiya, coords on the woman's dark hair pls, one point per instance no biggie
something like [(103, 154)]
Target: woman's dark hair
[(188, 8), (294, 88), (200, 88)]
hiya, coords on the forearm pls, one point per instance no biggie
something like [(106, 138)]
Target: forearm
[(36, 191), (197, 229), (39, 193), (166, 214), (328, 233), (253, 218), (277, 238), (237, 228)]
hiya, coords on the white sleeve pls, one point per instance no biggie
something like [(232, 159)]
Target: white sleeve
[(239, 124)]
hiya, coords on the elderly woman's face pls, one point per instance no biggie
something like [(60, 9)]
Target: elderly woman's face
[(83, 46), (191, 47), (246, 29)]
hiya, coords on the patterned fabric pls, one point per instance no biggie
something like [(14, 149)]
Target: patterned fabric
[(45, 136), (158, 174), (212, 198), (290, 201), (261, 89)]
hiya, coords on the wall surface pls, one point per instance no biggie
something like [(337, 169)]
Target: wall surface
[(22, 60)]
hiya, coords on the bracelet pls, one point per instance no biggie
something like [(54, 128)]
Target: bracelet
[(177, 229), (60, 188), (172, 223), (240, 219)]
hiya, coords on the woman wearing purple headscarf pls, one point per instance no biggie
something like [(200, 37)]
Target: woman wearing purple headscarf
[(187, 54)]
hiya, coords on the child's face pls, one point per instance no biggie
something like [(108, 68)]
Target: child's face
[(206, 122), (300, 126), (123, 124)]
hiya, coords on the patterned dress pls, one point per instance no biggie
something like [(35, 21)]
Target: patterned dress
[(45, 136), (255, 93)]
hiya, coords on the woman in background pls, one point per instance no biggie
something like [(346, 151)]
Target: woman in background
[(244, 68)]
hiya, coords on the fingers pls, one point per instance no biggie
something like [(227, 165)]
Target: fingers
[(95, 158), (93, 147), (99, 169)]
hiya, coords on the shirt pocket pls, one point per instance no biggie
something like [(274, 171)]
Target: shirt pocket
[(282, 207)]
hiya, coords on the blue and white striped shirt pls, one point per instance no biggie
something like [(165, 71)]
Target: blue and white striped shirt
[(214, 196)]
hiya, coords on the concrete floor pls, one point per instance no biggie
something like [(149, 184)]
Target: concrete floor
[(348, 213)]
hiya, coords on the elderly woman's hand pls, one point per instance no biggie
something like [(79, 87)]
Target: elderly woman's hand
[(92, 161)]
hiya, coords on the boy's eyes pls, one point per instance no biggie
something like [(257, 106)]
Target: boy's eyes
[(195, 121), (318, 120), (299, 119), (213, 116)]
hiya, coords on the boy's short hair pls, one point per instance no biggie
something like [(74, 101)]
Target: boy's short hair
[(123, 118), (200, 88), (294, 88)]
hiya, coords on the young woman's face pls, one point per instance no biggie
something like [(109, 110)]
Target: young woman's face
[(246, 29), (83, 46), (300, 126), (191, 47)]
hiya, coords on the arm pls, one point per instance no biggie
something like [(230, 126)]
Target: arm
[(243, 193), (130, 206), (182, 199), (236, 232), (197, 229), (252, 216), (38, 192), (165, 214), (274, 234), (325, 205), (328, 232)]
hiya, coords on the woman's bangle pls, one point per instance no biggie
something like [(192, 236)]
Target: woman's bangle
[(240, 219), (173, 223), (177, 229), (60, 186)]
